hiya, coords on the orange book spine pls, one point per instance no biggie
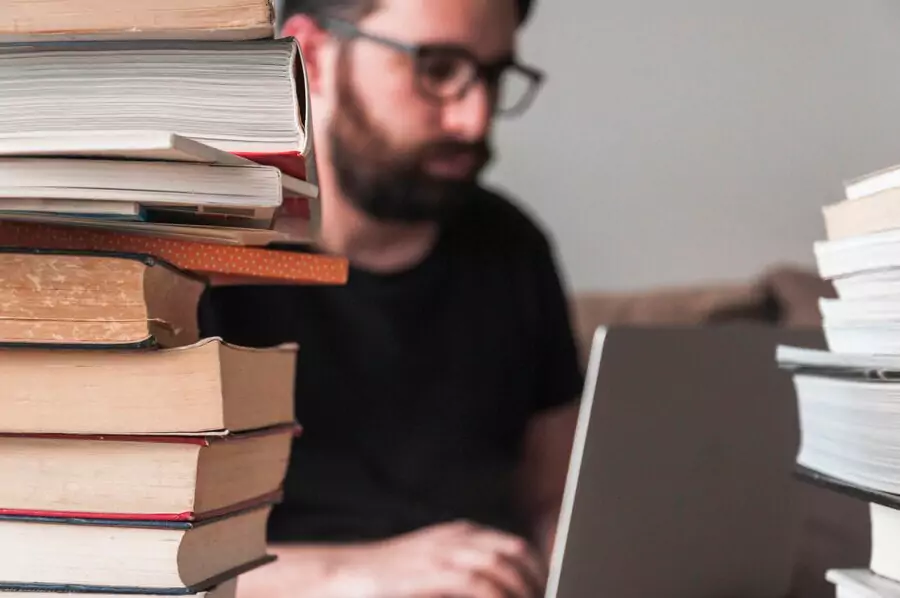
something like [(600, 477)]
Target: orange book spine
[(219, 262)]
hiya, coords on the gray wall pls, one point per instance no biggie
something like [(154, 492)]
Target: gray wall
[(696, 140)]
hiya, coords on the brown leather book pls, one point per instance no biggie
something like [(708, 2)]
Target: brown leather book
[(64, 20), (85, 299), (182, 478), (209, 388)]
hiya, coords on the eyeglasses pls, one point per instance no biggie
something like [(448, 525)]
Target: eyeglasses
[(446, 72)]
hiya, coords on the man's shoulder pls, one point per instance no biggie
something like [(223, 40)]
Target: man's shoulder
[(500, 218)]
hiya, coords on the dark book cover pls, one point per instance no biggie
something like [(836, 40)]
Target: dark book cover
[(203, 586), (827, 482)]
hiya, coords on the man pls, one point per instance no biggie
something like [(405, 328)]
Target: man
[(437, 388)]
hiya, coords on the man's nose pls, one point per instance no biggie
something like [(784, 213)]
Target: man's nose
[(470, 117)]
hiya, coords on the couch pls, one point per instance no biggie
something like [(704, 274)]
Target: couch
[(834, 529)]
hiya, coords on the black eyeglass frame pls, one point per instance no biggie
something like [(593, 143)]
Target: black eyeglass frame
[(489, 73)]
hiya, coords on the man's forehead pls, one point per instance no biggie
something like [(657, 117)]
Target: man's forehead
[(486, 27)]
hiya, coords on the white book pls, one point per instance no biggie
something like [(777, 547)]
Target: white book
[(862, 583), (66, 20), (77, 207), (867, 326), (849, 413), (860, 311), (67, 177), (244, 97), (853, 256), (873, 183), (884, 560), (138, 144), (880, 284), (147, 183)]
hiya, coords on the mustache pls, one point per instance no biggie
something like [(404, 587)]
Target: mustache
[(479, 151)]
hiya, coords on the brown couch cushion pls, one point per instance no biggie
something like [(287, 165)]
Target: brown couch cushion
[(784, 296)]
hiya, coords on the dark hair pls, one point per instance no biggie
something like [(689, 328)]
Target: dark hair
[(351, 10)]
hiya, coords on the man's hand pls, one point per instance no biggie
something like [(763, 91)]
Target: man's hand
[(457, 559)]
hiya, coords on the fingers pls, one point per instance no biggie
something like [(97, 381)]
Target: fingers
[(467, 560), (468, 583), (482, 587), (518, 552), (492, 569), (506, 561)]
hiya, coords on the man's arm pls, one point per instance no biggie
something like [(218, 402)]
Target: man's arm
[(452, 559), (558, 382), (445, 559), (545, 465)]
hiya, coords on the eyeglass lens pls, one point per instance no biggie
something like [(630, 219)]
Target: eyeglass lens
[(447, 75), (443, 74)]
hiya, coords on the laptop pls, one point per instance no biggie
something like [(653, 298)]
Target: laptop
[(681, 481)]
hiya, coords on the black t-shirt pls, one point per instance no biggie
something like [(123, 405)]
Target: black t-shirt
[(414, 388)]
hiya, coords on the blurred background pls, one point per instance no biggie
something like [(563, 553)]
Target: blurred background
[(683, 142)]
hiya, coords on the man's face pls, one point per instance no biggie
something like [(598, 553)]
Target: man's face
[(402, 155)]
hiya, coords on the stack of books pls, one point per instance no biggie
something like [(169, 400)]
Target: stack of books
[(849, 394), (136, 457), (183, 120), (147, 150)]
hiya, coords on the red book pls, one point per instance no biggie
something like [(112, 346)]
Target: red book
[(290, 163)]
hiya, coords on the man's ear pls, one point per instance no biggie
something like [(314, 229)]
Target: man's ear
[(311, 38)]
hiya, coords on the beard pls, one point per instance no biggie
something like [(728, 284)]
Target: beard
[(387, 183)]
